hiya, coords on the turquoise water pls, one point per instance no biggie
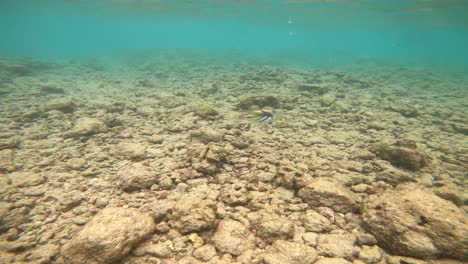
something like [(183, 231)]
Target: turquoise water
[(428, 34), (182, 131)]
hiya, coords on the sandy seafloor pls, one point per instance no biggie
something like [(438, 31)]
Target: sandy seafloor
[(360, 165)]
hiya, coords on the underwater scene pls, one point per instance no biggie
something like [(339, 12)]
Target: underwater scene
[(248, 132)]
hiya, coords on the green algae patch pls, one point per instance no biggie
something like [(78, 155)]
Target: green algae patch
[(204, 109)]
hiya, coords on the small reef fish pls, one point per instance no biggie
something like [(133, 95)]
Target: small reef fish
[(266, 115)]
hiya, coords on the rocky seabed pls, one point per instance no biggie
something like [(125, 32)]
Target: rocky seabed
[(166, 163)]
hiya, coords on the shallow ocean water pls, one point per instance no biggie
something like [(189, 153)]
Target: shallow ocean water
[(424, 33), (233, 131)]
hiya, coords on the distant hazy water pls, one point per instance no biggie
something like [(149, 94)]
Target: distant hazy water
[(419, 32)]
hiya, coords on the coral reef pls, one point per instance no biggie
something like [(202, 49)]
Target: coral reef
[(162, 162)]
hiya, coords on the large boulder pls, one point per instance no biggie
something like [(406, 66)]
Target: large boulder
[(286, 252), (108, 237), (328, 192), (191, 214), (402, 153), (233, 237), (412, 221)]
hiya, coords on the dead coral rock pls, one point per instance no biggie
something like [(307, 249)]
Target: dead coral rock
[(239, 141), (406, 109), (207, 159), (6, 160), (215, 154), (205, 167), (233, 237), (76, 164), (162, 250), (314, 88), (328, 192), (392, 175), (191, 213), (292, 177), (190, 260), (259, 101), (197, 152), (9, 142), (327, 99), (44, 254), (136, 176), (17, 246), (23, 179), (206, 135), (205, 252), (86, 126), (286, 252), (336, 245), (402, 259), (159, 210), (235, 194), (65, 105), (333, 261), (377, 125), (459, 127), (11, 217), (108, 237), (351, 178), (51, 89), (452, 193), (271, 226), (205, 110), (273, 75), (414, 222), (70, 200), (370, 254), (131, 151), (315, 222), (402, 153)]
